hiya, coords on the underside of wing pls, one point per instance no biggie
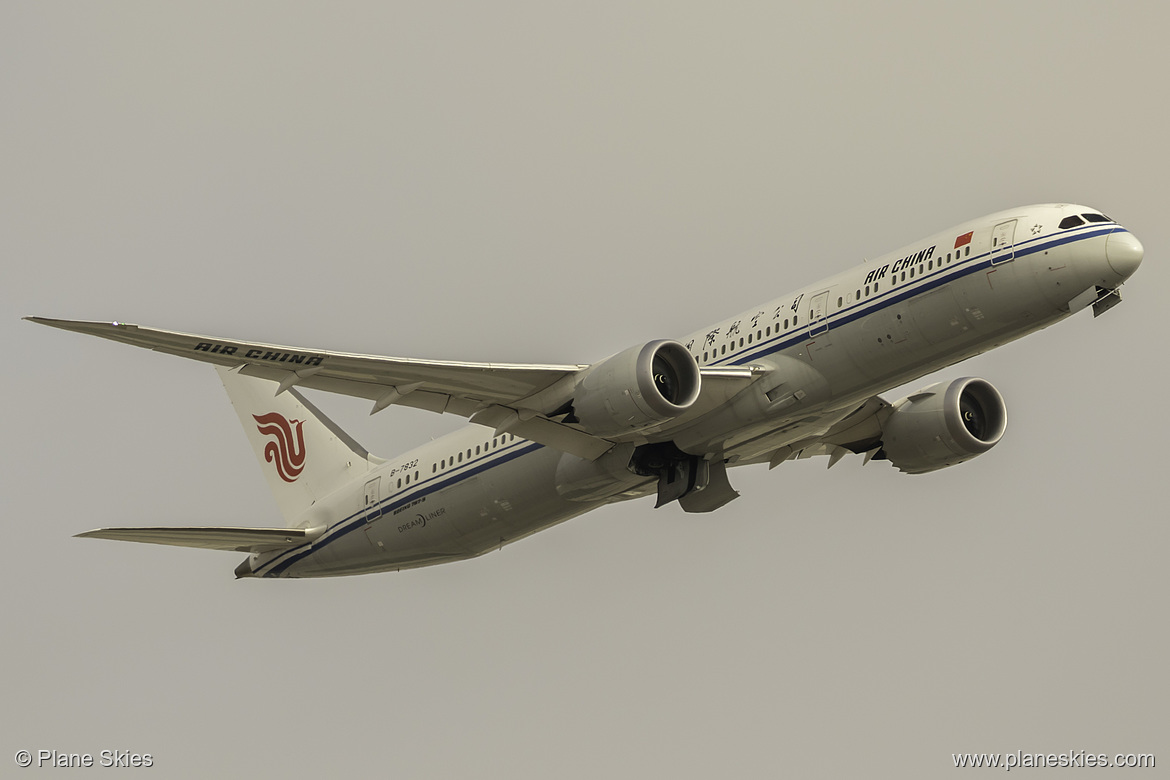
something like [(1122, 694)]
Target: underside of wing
[(508, 397), (209, 538), (434, 383), (533, 401), (834, 434)]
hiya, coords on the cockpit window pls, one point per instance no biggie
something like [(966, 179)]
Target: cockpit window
[(1071, 222), (1096, 218)]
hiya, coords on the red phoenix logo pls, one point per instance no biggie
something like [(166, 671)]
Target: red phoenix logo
[(289, 456)]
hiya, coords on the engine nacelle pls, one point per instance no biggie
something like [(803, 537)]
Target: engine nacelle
[(637, 388), (944, 424)]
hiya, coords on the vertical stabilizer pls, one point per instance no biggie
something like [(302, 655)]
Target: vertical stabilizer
[(303, 454)]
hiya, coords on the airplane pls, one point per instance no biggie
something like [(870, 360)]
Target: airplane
[(796, 377)]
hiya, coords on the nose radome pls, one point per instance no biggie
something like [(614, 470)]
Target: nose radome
[(1124, 252)]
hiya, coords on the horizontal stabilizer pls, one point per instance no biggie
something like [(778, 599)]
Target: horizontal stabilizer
[(210, 538)]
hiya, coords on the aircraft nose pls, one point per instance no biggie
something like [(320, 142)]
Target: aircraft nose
[(1124, 253)]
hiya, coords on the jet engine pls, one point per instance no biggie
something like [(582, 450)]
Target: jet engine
[(636, 389), (943, 424)]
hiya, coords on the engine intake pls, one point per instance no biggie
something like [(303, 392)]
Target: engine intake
[(637, 389), (943, 425)]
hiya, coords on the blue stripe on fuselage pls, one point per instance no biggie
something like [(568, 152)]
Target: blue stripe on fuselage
[(425, 488), (897, 295)]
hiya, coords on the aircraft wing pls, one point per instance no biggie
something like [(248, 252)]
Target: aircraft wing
[(209, 538), (521, 399)]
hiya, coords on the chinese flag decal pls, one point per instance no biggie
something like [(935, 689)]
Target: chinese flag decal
[(963, 240)]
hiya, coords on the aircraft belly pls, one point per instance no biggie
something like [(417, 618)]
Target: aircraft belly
[(478, 514), (418, 529), (876, 343), (335, 554), (521, 498), (1001, 296), (896, 344), (468, 518)]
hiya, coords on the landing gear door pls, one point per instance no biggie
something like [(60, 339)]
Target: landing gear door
[(1003, 242)]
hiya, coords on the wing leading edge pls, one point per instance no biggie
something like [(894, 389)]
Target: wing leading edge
[(522, 399), (513, 398)]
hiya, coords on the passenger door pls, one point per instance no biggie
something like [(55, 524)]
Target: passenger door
[(373, 509), (1003, 242), (818, 315)]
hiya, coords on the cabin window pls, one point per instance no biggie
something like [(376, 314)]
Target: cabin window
[(875, 286), (839, 301), (794, 320), (867, 289), (968, 252), (443, 463), (400, 482), (459, 457), (477, 449), (768, 331), (903, 276), (723, 350), (749, 338), (785, 323), (911, 272), (741, 341), (859, 295), (704, 357), (434, 467)]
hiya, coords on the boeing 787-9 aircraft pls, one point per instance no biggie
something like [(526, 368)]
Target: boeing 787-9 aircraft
[(796, 377)]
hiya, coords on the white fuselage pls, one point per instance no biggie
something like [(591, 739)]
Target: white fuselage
[(840, 341)]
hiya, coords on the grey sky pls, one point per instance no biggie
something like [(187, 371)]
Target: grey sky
[(547, 182)]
